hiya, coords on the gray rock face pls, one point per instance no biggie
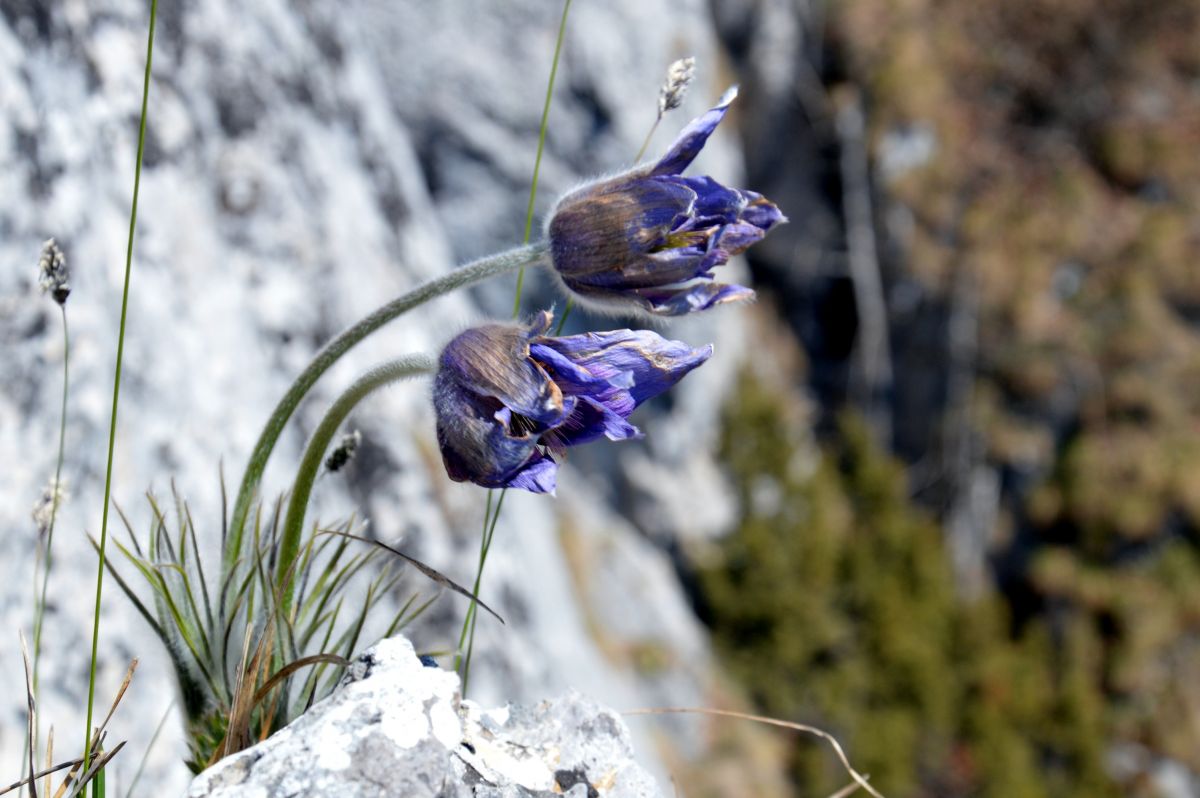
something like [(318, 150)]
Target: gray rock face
[(306, 161), (396, 728)]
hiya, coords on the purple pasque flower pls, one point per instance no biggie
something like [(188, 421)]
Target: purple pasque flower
[(637, 240), (508, 397)]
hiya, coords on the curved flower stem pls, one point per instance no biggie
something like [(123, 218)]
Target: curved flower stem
[(314, 454), (473, 272)]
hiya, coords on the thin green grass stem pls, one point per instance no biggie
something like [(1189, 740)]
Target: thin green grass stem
[(537, 161), (462, 637), (468, 274), (39, 610), (649, 136), (489, 518), (314, 455), (460, 650), (112, 427)]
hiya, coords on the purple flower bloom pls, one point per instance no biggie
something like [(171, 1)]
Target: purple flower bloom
[(508, 397), (635, 240)]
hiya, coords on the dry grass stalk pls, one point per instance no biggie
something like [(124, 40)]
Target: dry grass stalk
[(16, 785), (860, 780)]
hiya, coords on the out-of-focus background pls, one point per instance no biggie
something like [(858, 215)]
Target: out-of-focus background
[(938, 491)]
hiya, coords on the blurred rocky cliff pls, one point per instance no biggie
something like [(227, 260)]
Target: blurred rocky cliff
[(304, 162), (937, 491)]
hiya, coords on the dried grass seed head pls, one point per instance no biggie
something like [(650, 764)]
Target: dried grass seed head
[(53, 276), (675, 87)]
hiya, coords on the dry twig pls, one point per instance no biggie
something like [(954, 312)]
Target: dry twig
[(859, 779)]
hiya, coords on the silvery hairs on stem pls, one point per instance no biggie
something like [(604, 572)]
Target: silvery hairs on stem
[(53, 276)]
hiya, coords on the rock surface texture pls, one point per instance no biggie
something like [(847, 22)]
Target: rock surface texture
[(397, 728), (305, 161)]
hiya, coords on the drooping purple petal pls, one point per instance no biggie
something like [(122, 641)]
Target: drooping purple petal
[(680, 301), (691, 140), (654, 362), (761, 212), (571, 378), (598, 379), (592, 419), (538, 475), (715, 203), (734, 239), (664, 205)]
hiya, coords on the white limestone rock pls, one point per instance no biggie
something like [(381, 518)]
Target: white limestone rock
[(397, 728)]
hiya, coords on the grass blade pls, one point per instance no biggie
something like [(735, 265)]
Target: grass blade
[(95, 769), (16, 785), (432, 573), (32, 724)]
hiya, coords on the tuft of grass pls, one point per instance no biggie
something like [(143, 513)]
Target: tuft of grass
[(80, 774), (246, 662)]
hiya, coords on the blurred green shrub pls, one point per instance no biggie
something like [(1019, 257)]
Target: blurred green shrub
[(833, 604)]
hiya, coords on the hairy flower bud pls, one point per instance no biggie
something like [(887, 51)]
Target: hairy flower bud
[(640, 239), (508, 397)]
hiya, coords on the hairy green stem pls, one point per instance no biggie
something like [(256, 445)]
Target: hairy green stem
[(112, 427), (473, 272), (314, 455), (537, 161)]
